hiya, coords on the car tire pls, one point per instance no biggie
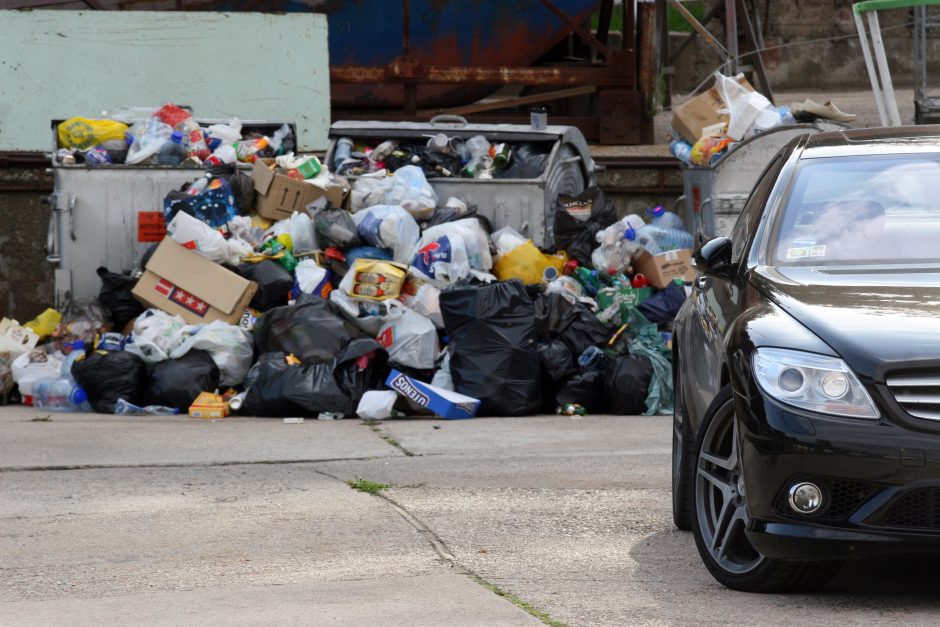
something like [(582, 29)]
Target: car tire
[(716, 487), (683, 454)]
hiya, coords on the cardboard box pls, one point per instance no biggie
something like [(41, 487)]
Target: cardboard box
[(660, 270), (689, 118), (180, 281), (443, 403), (208, 405), (279, 196)]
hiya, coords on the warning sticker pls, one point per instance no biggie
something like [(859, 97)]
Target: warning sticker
[(151, 226)]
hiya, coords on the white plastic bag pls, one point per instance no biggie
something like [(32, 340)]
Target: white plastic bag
[(376, 405), (743, 105), (507, 239), (310, 277), (389, 226), (148, 140), (410, 340), (426, 301), (229, 346), (156, 334), (189, 231), (368, 191), (368, 316), (443, 261), (228, 134), (301, 233), (410, 189), (475, 239), (442, 378), (34, 365)]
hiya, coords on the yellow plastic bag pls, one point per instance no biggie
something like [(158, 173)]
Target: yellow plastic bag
[(85, 133), (45, 323), (527, 263)]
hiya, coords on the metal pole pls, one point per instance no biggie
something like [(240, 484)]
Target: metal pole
[(731, 35), (891, 102), (870, 66)]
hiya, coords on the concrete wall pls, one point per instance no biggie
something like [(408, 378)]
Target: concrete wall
[(835, 62)]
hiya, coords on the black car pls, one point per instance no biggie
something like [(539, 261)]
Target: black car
[(807, 365)]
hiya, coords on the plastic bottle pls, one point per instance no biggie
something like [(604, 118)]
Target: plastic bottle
[(343, 151), (172, 152), (681, 150), (588, 280), (479, 149), (59, 394), (652, 237), (247, 150), (590, 358), (197, 141), (666, 219), (502, 156), (199, 185)]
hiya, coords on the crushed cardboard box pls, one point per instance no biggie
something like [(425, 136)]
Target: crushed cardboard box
[(180, 281), (692, 116), (440, 402), (279, 196), (662, 269)]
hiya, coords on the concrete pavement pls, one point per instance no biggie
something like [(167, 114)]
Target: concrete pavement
[(244, 521)]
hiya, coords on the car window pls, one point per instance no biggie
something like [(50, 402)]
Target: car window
[(750, 215), (861, 210)]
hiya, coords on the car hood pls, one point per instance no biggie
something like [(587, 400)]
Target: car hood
[(872, 319)]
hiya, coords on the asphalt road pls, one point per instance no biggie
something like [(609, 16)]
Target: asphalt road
[(173, 521)]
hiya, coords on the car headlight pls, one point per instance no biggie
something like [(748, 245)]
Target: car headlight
[(814, 382)]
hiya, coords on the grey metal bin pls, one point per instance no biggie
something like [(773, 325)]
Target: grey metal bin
[(524, 204), (109, 215)]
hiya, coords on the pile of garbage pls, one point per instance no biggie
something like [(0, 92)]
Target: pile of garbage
[(288, 292)]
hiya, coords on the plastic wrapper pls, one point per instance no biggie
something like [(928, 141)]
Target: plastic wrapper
[(198, 236), (410, 189), (569, 288), (616, 302), (443, 261), (372, 280), (115, 296), (410, 340), (148, 139), (274, 283), (81, 321), (124, 408), (626, 384), (85, 133), (109, 376), (312, 330), (155, 335), (743, 105), (578, 219), (177, 382), (279, 389), (310, 278), (376, 405), (528, 264), (476, 241), (492, 336), (389, 226), (230, 347), (335, 227)]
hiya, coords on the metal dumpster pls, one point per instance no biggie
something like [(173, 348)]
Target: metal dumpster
[(109, 215), (527, 205), (715, 195)]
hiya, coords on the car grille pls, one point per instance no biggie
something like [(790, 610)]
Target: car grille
[(918, 509), (917, 393), (845, 497)]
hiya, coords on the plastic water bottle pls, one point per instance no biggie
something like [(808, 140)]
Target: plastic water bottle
[(681, 150), (59, 394), (172, 152), (666, 219), (653, 236), (343, 151), (590, 358)]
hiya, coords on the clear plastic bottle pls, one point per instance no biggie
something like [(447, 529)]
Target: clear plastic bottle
[(59, 394), (195, 138), (172, 152), (653, 237), (666, 219), (343, 151)]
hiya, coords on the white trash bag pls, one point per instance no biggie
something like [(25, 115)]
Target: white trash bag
[(191, 232), (410, 340), (410, 189), (376, 405), (230, 347), (389, 226), (475, 239), (742, 104), (156, 334), (443, 261)]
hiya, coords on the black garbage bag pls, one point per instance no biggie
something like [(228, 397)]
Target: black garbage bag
[(177, 382), (279, 389), (493, 338), (243, 187), (664, 305), (312, 330), (106, 377), (335, 227), (578, 219), (556, 360), (274, 283), (626, 384), (574, 324), (527, 162), (115, 296), (586, 388)]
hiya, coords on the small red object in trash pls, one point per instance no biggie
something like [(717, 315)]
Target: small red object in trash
[(570, 266), (639, 281)]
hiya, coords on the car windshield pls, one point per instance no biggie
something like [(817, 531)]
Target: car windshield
[(861, 211)]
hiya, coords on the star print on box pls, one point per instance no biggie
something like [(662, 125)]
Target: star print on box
[(190, 302)]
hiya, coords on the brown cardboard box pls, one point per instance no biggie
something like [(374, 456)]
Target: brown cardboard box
[(689, 118), (279, 196), (182, 282), (661, 269)]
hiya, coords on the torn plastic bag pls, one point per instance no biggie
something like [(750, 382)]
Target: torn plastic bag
[(410, 340), (274, 283), (578, 219), (664, 305), (115, 296), (207, 241), (475, 240), (312, 330), (310, 278), (410, 189), (177, 382), (627, 383), (230, 347), (572, 323), (335, 227), (156, 334), (442, 261), (280, 389), (492, 336), (82, 320), (106, 377), (389, 226)]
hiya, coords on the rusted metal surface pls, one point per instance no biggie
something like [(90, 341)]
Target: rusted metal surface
[(401, 71), (646, 61), (584, 33), (523, 100)]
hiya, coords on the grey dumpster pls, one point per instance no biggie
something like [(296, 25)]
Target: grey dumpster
[(524, 204), (715, 195), (109, 215)]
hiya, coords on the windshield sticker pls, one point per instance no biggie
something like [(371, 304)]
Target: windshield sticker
[(817, 251), (799, 252), (804, 242)]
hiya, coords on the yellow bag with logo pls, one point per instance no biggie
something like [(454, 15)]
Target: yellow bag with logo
[(527, 263), (85, 133)]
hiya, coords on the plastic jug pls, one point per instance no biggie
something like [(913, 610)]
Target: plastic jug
[(666, 219)]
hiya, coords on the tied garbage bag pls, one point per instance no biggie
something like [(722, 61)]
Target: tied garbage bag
[(443, 261), (410, 340), (177, 382), (85, 133), (389, 226), (274, 283), (156, 334), (578, 219), (626, 384), (474, 236), (335, 227), (409, 188), (368, 191), (311, 330), (115, 296), (492, 336), (109, 376), (280, 389), (230, 347)]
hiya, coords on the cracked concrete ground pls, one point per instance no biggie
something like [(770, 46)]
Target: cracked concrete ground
[(174, 521)]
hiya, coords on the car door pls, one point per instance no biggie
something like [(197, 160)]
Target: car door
[(716, 301)]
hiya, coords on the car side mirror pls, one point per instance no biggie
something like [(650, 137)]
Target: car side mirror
[(714, 257)]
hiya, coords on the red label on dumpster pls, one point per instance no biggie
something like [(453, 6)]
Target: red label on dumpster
[(151, 227)]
